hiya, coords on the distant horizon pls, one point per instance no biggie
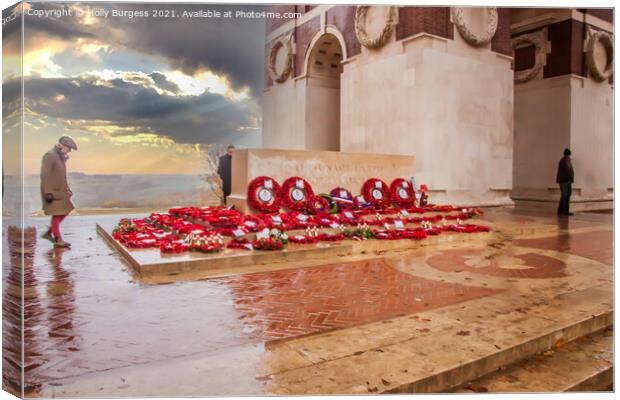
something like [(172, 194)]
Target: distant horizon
[(136, 95), (108, 191)]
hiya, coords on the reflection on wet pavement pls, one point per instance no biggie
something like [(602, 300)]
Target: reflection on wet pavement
[(12, 298), (508, 265), (296, 302), (86, 313), (593, 245)]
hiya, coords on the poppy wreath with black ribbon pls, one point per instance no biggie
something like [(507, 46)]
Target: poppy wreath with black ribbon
[(402, 192), (377, 192), (342, 197), (264, 195), (296, 193)]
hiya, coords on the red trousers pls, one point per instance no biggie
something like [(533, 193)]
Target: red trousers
[(56, 220)]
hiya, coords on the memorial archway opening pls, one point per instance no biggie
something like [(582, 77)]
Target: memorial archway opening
[(323, 72)]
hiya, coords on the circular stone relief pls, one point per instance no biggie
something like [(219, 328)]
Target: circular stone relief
[(281, 60), (476, 25), (374, 25), (530, 73), (600, 55)]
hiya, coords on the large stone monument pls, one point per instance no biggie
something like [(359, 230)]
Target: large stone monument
[(431, 82), (325, 170), (440, 84), (563, 98)]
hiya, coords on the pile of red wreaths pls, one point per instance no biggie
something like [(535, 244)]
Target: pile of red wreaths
[(265, 195)]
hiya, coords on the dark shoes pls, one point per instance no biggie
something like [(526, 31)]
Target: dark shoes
[(62, 244), (48, 235), (57, 243)]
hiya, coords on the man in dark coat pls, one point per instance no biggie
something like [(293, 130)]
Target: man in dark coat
[(55, 191), (565, 178), (224, 170)]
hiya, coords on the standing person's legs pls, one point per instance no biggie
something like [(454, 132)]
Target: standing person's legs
[(569, 191), (56, 220), (48, 233), (565, 192)]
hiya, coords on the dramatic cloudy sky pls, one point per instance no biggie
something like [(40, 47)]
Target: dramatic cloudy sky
[(141, 95)]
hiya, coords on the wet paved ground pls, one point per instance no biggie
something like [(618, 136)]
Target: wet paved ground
[(296, 302), (94, 329)]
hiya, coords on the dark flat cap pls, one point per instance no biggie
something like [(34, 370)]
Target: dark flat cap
[(68, 141)]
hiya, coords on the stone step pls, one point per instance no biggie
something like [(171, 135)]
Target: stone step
[(438, 350), (449, 378), (584, 364)]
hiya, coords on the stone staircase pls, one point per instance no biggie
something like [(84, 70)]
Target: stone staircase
[(577, 356), (584, 364)]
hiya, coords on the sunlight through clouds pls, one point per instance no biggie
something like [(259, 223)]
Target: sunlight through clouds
[(40, 63), (91, 48), (203, 82), (137, 94), (197, 85)]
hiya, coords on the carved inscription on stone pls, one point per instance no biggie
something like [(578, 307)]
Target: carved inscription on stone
[(325, 173)]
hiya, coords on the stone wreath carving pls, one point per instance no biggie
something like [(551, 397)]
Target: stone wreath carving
[(380, 39), (536, 40), (605, 39), (281, 45), (465, 31)]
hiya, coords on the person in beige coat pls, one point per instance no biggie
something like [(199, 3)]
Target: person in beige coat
[(55, 191)]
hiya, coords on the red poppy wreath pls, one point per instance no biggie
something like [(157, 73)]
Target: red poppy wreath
[(318, 205), (296, 193), (342, 197), (264, 194), (402, 192), (377, 192)]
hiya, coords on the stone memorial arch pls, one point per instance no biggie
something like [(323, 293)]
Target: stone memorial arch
[(323, 69), (484, 99)]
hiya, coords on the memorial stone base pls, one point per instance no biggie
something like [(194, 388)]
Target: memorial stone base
[(324, 170)]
